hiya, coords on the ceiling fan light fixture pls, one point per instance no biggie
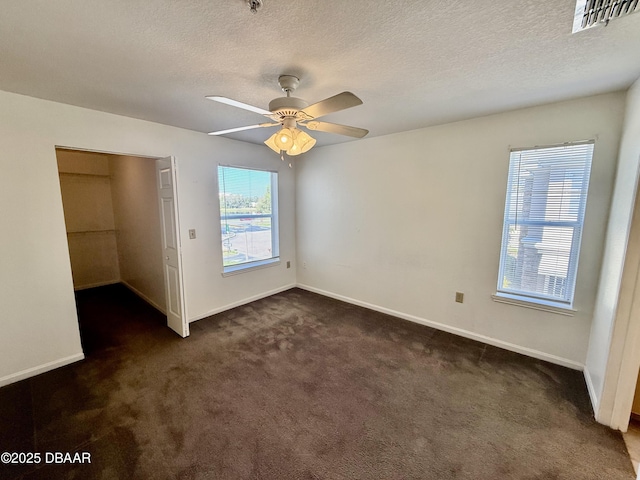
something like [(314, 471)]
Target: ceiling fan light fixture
[(284, 138), (271, 143), (304, 141), (291, 140), (294, 150)]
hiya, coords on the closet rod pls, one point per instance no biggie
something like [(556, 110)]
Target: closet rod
[(89, 232)]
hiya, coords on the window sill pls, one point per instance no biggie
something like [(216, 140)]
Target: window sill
[(248, 267), (541, 305)]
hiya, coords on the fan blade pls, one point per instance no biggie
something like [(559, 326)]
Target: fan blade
[(241, 129), (335, 128), (332, 104), (235, 103)]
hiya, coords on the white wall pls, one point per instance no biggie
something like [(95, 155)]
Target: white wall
[(39, 324), (620, 269), (137, 222), (402, 222), (85, 186)]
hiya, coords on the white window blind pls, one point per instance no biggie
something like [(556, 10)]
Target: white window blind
[(248, 217), (543, 218)]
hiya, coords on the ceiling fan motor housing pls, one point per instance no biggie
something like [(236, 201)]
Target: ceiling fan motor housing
[(285, 107)]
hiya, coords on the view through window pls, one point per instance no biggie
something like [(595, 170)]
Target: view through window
[(248, 213), (544, 214)]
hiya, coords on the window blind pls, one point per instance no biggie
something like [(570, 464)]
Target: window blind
[(248, 212), (543, 221)]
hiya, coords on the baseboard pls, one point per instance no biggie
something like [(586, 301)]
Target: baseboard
[(565, 362), (94, 285), (144, 297), (591, 389), (32, 372), (242, 302)]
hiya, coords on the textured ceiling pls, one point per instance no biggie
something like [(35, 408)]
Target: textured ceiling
[(413, 63)]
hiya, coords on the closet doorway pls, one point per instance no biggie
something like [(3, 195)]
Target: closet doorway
[(118, 223)]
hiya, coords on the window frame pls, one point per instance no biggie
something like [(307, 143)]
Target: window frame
[(274, 260), (526, 298)]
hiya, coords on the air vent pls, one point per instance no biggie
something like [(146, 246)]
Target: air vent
[(591, 13)]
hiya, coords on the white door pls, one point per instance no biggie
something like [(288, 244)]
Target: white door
[(172, 260)]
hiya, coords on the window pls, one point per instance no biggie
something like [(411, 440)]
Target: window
[(544, 213), (248, 217)]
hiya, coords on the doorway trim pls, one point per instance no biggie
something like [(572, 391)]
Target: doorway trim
[(623, 360)]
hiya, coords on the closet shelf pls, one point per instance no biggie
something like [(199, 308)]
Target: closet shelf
[(72, 174), (91, 232)]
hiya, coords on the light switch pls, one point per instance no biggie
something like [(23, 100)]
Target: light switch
[(192, 233)]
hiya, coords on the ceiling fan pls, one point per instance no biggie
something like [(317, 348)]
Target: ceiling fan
[(292, 112)]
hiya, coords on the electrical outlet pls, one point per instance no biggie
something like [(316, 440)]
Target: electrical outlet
[(304, 264), (288, 264), (192, 233), (459, 297)]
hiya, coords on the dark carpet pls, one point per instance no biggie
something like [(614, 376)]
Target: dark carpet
[(299, 386)]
